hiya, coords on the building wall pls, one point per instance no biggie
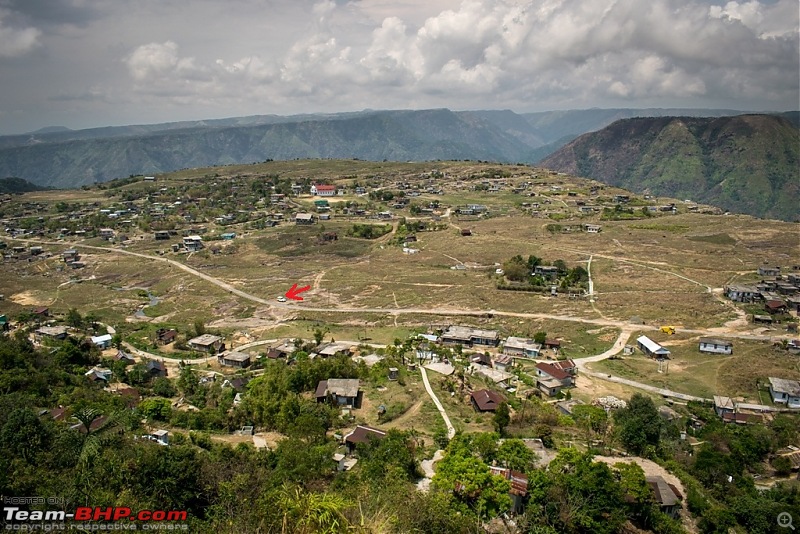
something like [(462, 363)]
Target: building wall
[(716, 349)]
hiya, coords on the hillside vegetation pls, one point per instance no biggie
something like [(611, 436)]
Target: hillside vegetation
[(746, 164), (17, 185)]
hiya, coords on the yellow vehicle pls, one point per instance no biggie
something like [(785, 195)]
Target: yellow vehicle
[(668, 329)]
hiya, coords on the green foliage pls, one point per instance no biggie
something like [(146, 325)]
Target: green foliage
[(540, 337), (163, 387), (576, 495), (638, 424), (156, 408), (394, 454), (502, 417), (514, 454), (516, 269), (74, 318), (369, 231), (471, 483)]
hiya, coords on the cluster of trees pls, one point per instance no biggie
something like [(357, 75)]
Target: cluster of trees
[(519, 269), (295, 488), (369, 231)]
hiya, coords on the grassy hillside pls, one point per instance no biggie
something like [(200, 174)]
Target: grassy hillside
[(747, 164)]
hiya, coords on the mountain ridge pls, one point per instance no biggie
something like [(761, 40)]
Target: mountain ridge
[(747, 163)]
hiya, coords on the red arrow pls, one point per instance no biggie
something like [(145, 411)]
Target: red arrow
[(294, 292)]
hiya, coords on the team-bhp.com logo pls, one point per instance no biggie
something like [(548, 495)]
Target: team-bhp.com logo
[(91, 518)]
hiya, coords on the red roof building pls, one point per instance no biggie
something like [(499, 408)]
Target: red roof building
[(486, 400)]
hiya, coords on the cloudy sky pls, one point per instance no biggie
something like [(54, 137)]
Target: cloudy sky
[(85, 63)]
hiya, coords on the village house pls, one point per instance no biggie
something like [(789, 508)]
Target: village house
[(519, 487), (785, 391), (341, 391), (651, 348), (193, 243), (206, 343), (504, 362), (592, 228), (723, 405), (156, 368), (304, 218), (519, 346), (106, 233), (769, 271), (70, 255), (161, 235), (165, 336), (551, 379), (775, 306), (159, 436), (715, 346), (666, 495), (742, 293), (323, 190), (333, 349), (462, 335), (362, 434), (52, 332), (103, 342), (98, 374), (234, 359), (124, 357), (486, 400)]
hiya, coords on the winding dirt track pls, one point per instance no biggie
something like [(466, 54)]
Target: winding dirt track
[(400, 311)]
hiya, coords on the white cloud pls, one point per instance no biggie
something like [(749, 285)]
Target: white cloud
[(16, 42), (251, 56), (557, 51)]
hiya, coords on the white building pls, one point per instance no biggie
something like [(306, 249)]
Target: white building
[(519, 346), (193, 243), (323, 190), (651, 348), (785, 392), (715, 346)]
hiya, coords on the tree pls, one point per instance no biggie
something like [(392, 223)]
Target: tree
[(540, 337), (156, 408), (592, 419), (199, 327), (576, 495), (116, 341), (163, 387), (638, 424), (502, 417), (319, 335), (516, 269), (514, 454), (472, 483), (74, 318)]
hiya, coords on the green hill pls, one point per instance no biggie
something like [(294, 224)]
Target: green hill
[(18, 185), (746, 164)]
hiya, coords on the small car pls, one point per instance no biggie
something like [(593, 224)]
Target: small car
[(281, 299)]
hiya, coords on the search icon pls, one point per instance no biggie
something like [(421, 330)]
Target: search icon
[(785, 520)]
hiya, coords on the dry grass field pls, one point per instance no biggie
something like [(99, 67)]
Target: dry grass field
[(661, 269)]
